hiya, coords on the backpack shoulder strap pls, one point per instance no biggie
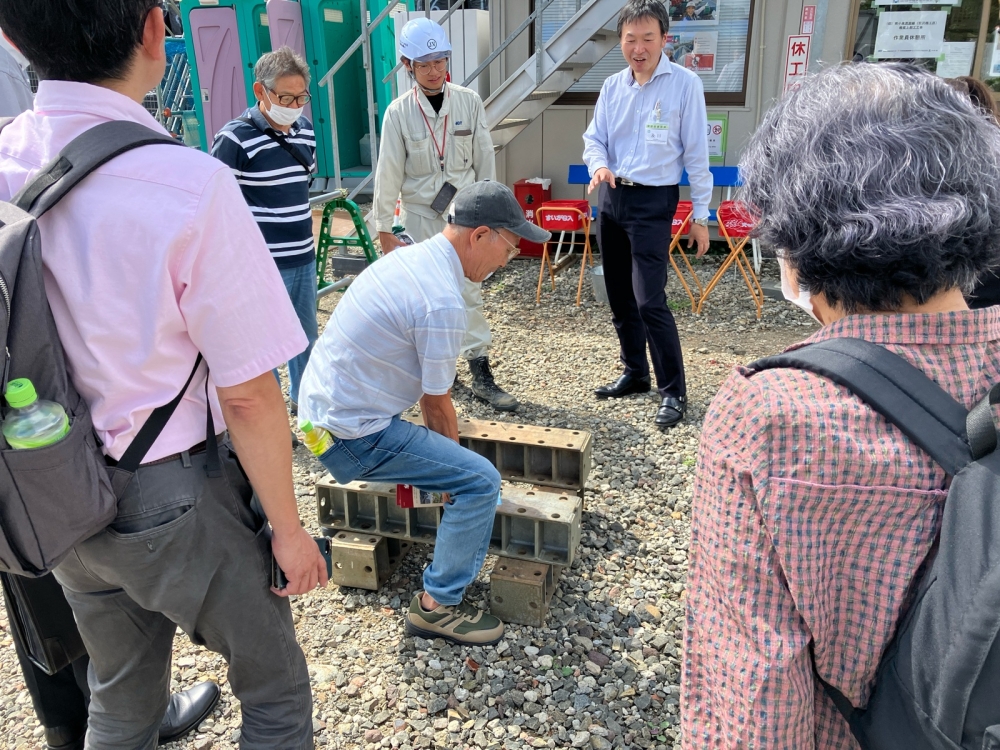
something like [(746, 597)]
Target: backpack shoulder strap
[(901, 393), (905, 396), (80, 157)]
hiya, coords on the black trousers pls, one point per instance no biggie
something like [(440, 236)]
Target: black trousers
[(633, 233), (60, 699)]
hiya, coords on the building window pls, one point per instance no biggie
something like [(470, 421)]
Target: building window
[(947, 38), (710, 37)]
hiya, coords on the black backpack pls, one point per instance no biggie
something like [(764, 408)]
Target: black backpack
[(54, 497), (938, 681)]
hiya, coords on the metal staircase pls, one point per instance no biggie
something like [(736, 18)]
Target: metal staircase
[(555, 66), (557, 63)]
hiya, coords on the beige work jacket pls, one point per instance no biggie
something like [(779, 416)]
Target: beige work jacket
[(408, 163)]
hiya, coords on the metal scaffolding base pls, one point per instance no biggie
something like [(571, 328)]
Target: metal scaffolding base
[(547, 456), (529, 525), (364, 561), (521, 590)]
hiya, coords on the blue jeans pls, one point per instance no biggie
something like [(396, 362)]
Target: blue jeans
[(300, 282), (405, 453)]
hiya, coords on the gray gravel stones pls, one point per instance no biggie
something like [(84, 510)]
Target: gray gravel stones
[(604, 671)]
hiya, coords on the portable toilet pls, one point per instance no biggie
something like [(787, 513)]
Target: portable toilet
[(330, 28), (224, 39), (285, 28)]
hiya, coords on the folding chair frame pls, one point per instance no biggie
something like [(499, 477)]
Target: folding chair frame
[(675, 244), (737, 254), (588, 256)]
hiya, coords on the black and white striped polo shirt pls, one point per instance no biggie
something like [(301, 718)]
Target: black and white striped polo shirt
[(274, 183)]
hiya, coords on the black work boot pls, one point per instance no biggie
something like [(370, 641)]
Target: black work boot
[(486, 388)]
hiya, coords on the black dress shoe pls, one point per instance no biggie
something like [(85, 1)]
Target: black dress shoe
[(187, 710), (671, 411), (64, 738), (625, 385)]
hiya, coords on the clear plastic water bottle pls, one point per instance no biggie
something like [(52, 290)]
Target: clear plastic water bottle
[(317, 440), (32, 422)]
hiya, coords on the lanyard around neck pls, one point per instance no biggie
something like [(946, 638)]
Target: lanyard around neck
[(444, 135)]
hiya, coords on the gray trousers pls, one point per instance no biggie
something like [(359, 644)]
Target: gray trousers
[(185, 550)]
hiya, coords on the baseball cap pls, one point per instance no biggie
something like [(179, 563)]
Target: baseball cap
[(492, 204)]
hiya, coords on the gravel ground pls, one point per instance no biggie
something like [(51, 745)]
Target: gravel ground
[(604, 672)]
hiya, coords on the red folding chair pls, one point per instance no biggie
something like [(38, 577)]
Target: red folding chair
[(735, 225), (564, 216), (679, 229)]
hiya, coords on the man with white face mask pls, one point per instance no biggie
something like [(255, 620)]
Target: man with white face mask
[(271, 149)]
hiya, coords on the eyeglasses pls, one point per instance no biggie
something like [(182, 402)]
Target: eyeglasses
[(288, 100), (514, 249), (437, 66)]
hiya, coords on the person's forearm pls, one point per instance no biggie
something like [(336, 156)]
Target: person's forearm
[(440, 418), (258, 427)]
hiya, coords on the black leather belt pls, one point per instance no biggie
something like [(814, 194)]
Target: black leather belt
[(629, 183)]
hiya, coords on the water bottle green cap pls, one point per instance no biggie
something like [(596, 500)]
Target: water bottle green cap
[(306, 426), (20, 393)]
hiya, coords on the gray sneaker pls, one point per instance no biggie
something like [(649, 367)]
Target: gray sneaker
[(462, 623)]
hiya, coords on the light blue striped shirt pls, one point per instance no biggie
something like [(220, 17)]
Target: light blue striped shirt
[(627, 137), (393, 337)]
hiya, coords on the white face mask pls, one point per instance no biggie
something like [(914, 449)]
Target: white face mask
[(283, 116), (799, 299)]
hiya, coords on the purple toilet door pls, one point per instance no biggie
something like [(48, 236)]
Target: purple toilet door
[(284, 18), (220, 66)]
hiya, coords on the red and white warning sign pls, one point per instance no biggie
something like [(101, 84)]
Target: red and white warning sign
[(808, 19), (796, 60)]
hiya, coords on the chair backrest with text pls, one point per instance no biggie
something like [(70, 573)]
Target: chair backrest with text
[(682, 218), (734, 219)]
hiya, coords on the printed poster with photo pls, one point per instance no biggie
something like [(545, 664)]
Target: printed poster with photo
[(690, 14), (695, 51)]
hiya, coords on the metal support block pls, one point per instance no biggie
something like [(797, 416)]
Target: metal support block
[(521, 590), (364, 561), (547, 456), (537, 525), (530, 524)]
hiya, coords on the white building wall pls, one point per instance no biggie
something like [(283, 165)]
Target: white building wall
[(551, 143)]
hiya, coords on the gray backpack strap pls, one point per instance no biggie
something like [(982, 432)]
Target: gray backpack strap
[(80, 157)]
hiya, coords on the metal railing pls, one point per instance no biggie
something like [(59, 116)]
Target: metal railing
[(364, 42)]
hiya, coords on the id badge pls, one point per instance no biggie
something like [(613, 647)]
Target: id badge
[(657, 132)]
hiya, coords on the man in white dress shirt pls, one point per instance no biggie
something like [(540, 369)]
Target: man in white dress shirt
[(649, 125)]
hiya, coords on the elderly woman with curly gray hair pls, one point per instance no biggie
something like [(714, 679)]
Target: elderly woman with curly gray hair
[(879, 186)]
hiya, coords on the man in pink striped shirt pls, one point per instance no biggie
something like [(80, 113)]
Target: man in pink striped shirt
[(879, 185), (139, 261)]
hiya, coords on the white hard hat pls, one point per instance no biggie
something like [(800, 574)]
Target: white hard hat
[(423, 40)]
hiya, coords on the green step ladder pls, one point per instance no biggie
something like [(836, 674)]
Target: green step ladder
[(342, 262)]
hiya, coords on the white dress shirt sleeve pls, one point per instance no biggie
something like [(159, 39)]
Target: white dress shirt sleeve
[(595, 138), (694, 140)]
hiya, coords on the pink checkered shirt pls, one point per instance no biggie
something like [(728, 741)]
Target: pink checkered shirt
[(811, 515)]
